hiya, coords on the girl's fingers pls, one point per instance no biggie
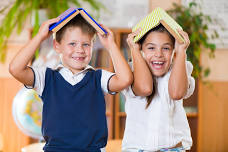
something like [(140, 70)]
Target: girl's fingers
[(138, 31), (130, 38), (135, 33), (183, 33), (185, 36)]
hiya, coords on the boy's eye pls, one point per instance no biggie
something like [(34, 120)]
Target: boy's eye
[(86, 44), (72, 44)]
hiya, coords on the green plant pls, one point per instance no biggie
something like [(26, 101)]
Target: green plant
[(195, 23), (21, 10)]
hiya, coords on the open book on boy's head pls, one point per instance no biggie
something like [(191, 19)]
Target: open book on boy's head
[(69, 14), (156, 17)]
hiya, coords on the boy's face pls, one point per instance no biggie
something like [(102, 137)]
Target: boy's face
[(158, 48), (76, 49)]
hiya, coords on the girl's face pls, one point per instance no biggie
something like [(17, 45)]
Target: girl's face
[(157, 49), (76, 49)]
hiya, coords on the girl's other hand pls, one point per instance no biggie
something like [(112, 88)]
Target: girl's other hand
[(182, 46)]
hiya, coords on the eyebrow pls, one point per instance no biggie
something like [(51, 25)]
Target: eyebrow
[(70, 41), (155, 44)]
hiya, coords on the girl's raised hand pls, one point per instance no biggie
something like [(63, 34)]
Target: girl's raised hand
[(44, 28), (182, 46), (131, 43)]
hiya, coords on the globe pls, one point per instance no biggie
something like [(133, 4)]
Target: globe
[(27, 112)]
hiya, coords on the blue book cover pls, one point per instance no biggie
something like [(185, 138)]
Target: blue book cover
[(63, 17), (66, 16)]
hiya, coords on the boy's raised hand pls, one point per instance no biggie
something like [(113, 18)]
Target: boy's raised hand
[(123, 75), (182, 46), (107, 40), (130, 38), (44, 28)]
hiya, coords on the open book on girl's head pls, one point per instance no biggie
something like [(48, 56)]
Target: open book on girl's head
[(156, 17)]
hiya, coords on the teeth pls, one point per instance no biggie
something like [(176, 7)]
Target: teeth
[(156, 62), (78, 57)]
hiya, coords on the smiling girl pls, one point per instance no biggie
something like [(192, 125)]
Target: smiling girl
[(156, 120)]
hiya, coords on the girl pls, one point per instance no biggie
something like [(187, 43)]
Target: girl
[(156, 120)]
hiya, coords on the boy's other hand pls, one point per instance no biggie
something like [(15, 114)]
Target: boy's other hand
[(130, 40), (182, 46), (107, 40), (44, 28)]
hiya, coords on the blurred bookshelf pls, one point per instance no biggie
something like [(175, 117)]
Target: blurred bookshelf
[(120, 115), (102, 60)]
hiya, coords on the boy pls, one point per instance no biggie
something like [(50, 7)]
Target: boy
[(73, 94)]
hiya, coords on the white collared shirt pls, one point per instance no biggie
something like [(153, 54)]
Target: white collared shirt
[(163, 124), (69, 77)]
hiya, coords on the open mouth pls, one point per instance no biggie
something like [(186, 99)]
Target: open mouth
[(157, 64), (79, 58)]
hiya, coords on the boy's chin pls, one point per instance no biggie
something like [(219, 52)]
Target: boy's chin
[(79, 68)]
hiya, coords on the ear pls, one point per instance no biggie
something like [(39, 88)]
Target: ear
[(56, 46)]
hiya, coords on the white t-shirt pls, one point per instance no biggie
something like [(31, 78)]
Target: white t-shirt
[(69, 77), (163, 124)]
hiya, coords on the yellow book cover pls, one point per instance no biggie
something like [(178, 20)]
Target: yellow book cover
[(156, 17)]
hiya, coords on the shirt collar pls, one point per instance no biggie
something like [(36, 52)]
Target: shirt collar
[(62, 67)]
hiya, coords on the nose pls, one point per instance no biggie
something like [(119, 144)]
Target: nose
[(79, 49), (158, 53)]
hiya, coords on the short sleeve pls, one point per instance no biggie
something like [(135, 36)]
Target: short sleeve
[(191, 80), (39, 80), (105, 77), (34, 81), (128, 92)]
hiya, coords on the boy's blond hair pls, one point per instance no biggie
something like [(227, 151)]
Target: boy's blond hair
[(77, 21)]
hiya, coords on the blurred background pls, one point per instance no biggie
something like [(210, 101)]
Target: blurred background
[(204, 20)]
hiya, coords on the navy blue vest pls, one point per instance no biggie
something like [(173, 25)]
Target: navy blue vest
[(73, 117)]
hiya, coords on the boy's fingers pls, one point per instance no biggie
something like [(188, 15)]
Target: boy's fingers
[(106, 28), (54, 20)]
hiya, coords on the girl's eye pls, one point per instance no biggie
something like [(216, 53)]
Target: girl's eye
[(151, 48), (166, 48)]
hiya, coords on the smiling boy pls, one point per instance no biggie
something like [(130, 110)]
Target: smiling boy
[(73, 116)]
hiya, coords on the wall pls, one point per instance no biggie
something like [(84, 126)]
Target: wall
[(163, 3), (213, 125), (13, 138)]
